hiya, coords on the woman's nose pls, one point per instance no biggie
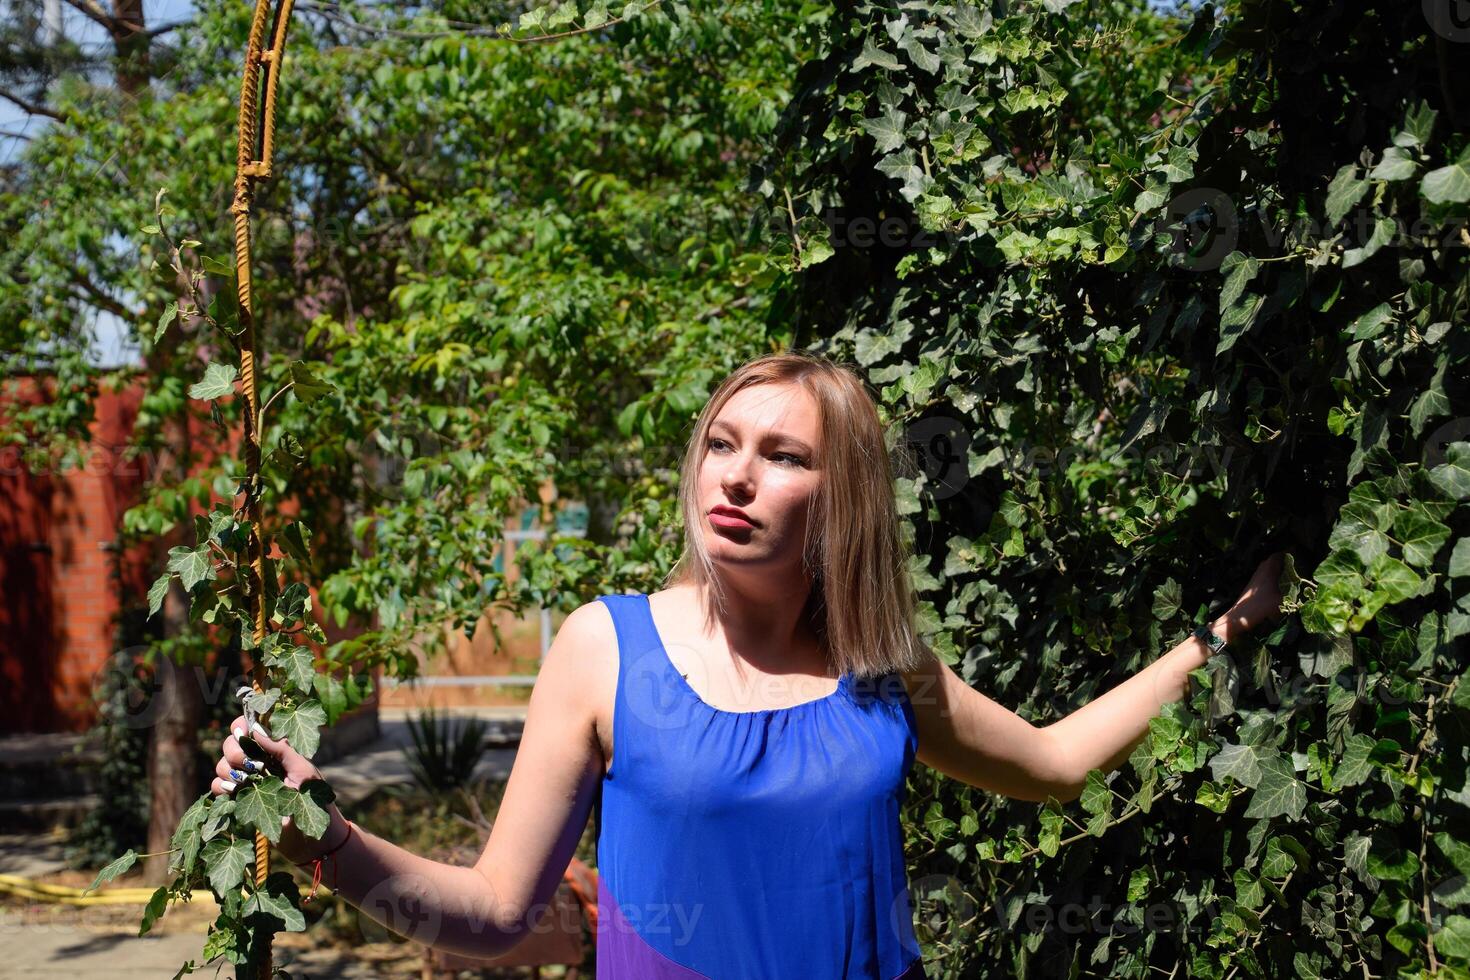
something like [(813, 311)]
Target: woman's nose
[(737, 474)]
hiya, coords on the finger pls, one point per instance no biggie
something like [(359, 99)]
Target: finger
[(225, 771), (221, 787), (234, 755), (276, 747)]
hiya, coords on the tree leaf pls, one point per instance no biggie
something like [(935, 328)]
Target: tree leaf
[(1345, 191), (297, 662), (115, 868), (1447, 185), (260, 805), (193, 565), (305, 383), (300, 725), (156, 906), (227, 861), (1239, 761), (1279, 793), (278, 902), (218, 381)]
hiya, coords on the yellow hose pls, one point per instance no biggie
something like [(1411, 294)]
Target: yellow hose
[(37, 891)]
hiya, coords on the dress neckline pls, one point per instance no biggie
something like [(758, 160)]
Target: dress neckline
[(682, 683)]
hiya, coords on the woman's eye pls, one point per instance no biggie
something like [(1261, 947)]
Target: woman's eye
[(793, 459)]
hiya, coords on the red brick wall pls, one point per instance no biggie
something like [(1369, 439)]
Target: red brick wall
[(61, 574), (59, 570)]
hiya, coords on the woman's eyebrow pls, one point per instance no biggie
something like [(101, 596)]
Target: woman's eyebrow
[(770, 435)]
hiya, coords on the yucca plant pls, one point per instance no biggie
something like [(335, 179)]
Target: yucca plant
[(445, 750)]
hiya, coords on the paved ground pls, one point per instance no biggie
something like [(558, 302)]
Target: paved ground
[(101, 941)]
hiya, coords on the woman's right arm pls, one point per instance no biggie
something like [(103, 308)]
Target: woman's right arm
[(486, 909)]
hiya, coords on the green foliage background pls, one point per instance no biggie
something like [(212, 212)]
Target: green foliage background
[(1150, 293)]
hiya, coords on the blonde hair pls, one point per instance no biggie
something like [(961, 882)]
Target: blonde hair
[(861, 604)]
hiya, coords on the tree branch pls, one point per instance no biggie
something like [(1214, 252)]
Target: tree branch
[(34, 108), (95, 11), (101, 299)]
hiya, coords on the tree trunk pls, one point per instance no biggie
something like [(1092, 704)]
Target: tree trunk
[(130, 41), (173, 779)]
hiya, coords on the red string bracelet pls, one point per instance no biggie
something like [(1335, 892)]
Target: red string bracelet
[(316, 865)]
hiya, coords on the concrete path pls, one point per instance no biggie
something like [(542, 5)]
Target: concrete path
[(102, 941)]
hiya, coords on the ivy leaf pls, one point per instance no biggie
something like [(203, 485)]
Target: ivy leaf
[(1418, 125), (219, 812), (1453, 939), (1238, 761), (1453, 475), (1343, 194), (227, 861), (261, 702), (297, 662), (170, 312), (1389, 859), (1280, 793), (332, 694), (1096, 797), (279, 902), (887, 130), (300, 725), (874, 55), (1396, 164), (193, 565), (310, 817), (307, 386), (1356, 761), (218, 381), (1168, 600), (296, 539), (1393, 579), (1372, 323), (117, 867), (1448, 185), (1460, 559), (156, 906), (259, 805), (1421, 535), (186, 836), (293, 604), (1238, 269), (1355, 856), (1383, 231), (157, 592), (1049, 841)]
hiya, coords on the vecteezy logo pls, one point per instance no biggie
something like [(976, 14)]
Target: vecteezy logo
[(942, 445), (388, 452), (1437, 443), (1202, 228), (1450, 19)]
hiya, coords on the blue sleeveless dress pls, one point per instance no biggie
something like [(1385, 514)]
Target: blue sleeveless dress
[(751, 845)]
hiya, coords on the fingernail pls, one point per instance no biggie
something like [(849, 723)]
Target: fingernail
[(237, 775), (238, 732), (252, 766), (229, 787), (255, 727)]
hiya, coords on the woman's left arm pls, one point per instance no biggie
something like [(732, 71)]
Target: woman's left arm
[(1103, 732), (966, 735)]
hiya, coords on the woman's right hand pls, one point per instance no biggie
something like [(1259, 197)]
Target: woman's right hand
[(295, 768)]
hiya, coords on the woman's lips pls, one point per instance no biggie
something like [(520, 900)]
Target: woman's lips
[(729, 521)]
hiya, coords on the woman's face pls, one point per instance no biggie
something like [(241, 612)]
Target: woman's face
[(758, 459)]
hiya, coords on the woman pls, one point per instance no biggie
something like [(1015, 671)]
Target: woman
[(744, 735)]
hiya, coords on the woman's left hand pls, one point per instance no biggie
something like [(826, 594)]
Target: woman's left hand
[(1261, 600)]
